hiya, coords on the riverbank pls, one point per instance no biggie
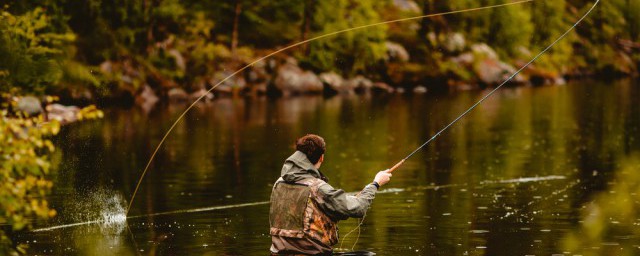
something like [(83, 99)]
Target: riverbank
[(86, 56)]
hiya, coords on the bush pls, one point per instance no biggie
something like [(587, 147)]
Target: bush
[(24, 149)]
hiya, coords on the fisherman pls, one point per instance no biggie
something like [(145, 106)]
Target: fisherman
[(305, 209)]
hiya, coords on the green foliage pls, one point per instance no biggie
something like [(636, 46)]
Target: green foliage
[(29, 51), (24, 169), (611, 215), (509, 29), (549, 23), (167, 43), (24, 151), (350, 52), (36, 55)]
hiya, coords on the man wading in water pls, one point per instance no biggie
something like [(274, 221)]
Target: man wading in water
[(305, 209)]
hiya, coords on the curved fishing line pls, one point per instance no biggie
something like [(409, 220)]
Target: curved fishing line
[(397, 165), (287, 48), (243, 205), (495, 89)]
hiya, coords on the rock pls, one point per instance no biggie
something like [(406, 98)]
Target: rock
[(396, 52), (560, 81), (199, 93), (381, 87), (64, 114), (229, 85), (491, 71), (292, 79), (146, 99), (360, 84), (538, 76), (420, 89), (485, 51), (334, 82), (106, 66), (407, 5), (177, 95), (463, 59), (258, 73), (524, 51), (259, 89), (454, 42), (29, 105)]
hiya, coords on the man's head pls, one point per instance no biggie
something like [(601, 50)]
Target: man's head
[(313, 146)]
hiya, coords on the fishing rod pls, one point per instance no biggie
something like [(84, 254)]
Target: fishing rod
[(397, 165), (153, 155)]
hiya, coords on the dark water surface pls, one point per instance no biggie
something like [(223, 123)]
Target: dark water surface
[(510, 178)]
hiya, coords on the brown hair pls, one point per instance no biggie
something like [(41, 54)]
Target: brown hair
[(311, 145)]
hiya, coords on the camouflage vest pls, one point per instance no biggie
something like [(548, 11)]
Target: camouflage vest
[(294, 212)]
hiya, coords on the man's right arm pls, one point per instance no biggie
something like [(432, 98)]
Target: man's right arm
[(339, 205)]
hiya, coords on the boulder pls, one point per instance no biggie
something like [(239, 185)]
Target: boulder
[(147, 98), (259, 89), (206, 96), (334, 82), (258, 73), (29, 105), (360, 84), (540, 76), (106, 67), (64, 114), (420, 89), (236, 82), (396, 52), (407, 6), (464, 59), (381, 87), (491, 71), (454, 42), (292, 79), (485, 51), (177, 95)]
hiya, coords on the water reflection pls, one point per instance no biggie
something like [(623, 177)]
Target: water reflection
[(463, 194), (610, 223)]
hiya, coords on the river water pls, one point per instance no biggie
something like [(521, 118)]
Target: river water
[(513, 177)]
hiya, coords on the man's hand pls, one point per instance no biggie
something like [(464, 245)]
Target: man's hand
[(382, 177)]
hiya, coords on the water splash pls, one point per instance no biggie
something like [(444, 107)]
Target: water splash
[(102, 208), (110, 215)]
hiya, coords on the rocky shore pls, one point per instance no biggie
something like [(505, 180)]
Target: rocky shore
[(34, 106), (473, 66)]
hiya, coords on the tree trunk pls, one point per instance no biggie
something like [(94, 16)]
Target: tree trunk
[(631, 20), (306, 24), (425, 23), (147, 17), (234, 34)]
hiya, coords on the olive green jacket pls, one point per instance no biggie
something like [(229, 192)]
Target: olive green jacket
[(336, 203)]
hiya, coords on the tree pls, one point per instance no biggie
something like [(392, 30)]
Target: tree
[(350, 52), (36, 55)]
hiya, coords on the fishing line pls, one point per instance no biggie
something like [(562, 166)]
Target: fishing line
[(243, 205), (144, 172), (494, 90), (397, 165)]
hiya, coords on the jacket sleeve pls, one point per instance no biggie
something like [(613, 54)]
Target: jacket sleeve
[(339, 205)]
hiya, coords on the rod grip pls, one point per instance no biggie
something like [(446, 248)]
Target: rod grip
[(396, 166)]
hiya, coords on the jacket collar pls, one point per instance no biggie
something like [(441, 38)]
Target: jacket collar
[(304, 167)]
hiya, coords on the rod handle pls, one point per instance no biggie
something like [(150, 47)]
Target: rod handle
[(390, 170)]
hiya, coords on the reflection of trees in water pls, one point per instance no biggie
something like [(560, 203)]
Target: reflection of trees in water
[(609, 223), (230, 151)]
